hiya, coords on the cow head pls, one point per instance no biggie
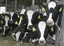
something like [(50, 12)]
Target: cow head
[(11, 15), (29, 16), (42, 27), (53, 11), (6, 17)]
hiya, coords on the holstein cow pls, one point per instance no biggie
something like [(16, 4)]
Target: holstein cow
[(18, 32), (6, 26), (54, 14), (14, 21), (2, 23)]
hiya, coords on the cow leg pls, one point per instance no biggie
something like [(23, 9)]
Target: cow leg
[(17, 35), (53, 37), (4, 31)]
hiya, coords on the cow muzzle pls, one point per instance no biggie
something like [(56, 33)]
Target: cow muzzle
[(42, 41), (50, 22)]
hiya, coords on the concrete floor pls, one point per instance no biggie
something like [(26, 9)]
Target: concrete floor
[(9, 41)]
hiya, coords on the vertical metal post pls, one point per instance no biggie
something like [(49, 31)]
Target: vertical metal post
[(48, 1), (33, 2), (6, 4), (15, 5)]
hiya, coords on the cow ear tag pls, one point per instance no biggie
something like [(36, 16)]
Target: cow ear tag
[(39, 17), (52, 29), (43, 9), (18, 16), (0, 27), (1, 22), (21, 18), (16, 23), (33, 29), (60, 9)]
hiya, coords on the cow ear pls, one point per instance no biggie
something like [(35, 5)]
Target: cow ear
[(52, 29), (43, 9), (60, 10), (33, 29), (39, 17), (2, 22), (21, 18)]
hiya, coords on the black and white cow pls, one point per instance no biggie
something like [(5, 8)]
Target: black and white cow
[(19, 31), (54, 15), (14, 21), (2, 23), (6, 26)]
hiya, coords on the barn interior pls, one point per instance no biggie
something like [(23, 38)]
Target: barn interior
[(16, 6)]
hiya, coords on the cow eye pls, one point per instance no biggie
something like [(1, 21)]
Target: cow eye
[(1, 22), (60, 10), (16, 22), (21, 18), (33, 29), (43, 9), (52, 29), (39, 17)]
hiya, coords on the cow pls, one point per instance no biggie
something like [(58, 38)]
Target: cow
[(18, 32), (37, 29), (6, 25), (54, 15), (14, 21), (2, 23)]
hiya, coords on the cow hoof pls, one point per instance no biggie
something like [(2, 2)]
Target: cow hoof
[(21, 41)]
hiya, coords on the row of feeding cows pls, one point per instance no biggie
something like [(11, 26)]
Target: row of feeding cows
[(32, 26)]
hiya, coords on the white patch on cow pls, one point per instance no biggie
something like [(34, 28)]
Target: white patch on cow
[(6, 21), (42, 26), (11, 14), (54, 37), (30, 14), (17, 35), (19, 22), (52, 4), (34, 40), (13, 35), (50, 21), (25, 34), (22, 11), (4, 31), (45, 14)]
